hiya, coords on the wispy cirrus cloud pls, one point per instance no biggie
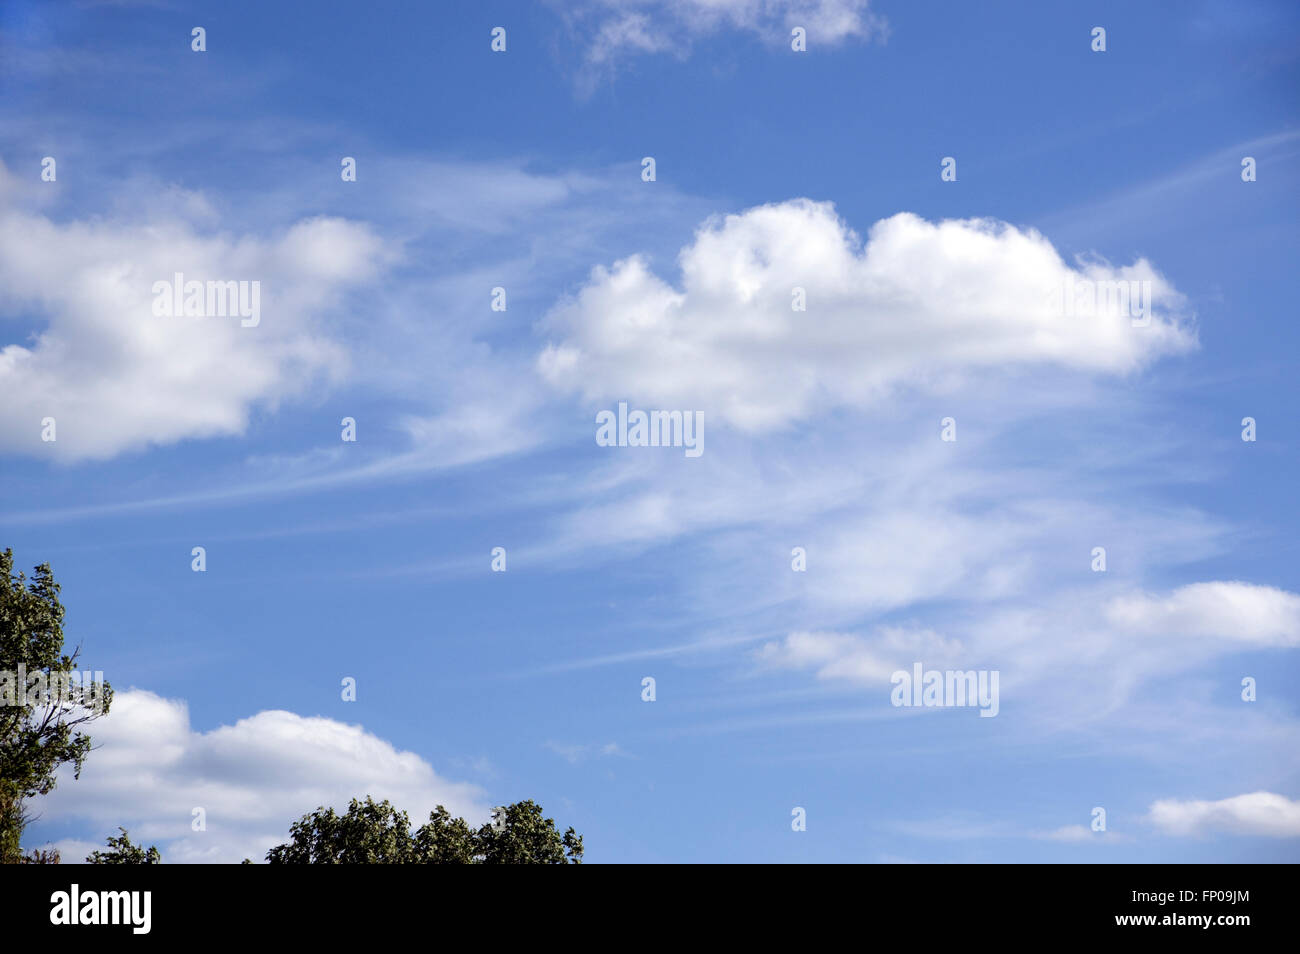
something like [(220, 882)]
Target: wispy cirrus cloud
[(1090, 666)]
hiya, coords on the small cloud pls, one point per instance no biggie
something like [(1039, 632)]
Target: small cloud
[(1258, 813), (614, 31), (856, 659), (1234, 610)]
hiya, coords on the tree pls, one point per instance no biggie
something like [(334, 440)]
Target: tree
[(519, 835), (122, 852), (444, 840), (370, 833), (42, 710), (42, 856), (377, 833)]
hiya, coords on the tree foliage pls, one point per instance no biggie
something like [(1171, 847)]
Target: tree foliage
[(122, 852), (37, 735), (373, 832), (42, 856)]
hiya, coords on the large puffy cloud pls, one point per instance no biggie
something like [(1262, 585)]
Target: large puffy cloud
[(87, 349), (151, 769), (920, 304), (1258, 813)]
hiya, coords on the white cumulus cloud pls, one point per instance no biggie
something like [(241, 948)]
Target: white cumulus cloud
[(151, 769), (85, 348), (920, 304)]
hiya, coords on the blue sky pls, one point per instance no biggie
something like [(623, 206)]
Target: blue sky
[(926, 299)]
